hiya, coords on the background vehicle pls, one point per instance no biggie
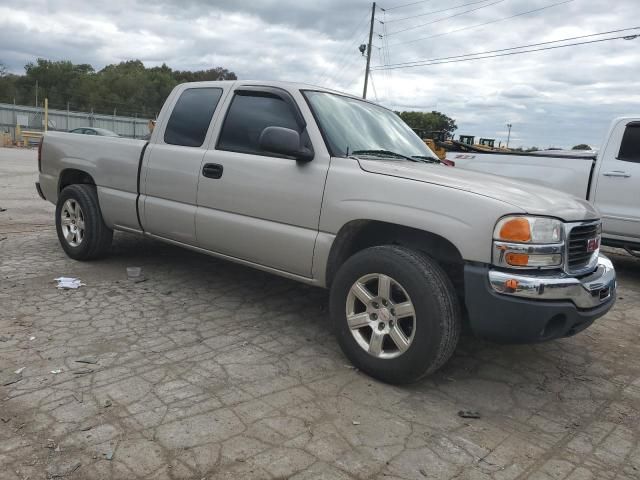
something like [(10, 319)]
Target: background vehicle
[(337, 192), (609, 179), (94, 131)]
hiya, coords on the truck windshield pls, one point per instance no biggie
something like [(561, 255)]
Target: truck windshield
[(350, 125)]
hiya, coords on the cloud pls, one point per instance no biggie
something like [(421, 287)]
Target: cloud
[(558, 97), (521, 91)]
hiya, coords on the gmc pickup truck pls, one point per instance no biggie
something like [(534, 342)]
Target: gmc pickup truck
[(337, 192), (610, 180)]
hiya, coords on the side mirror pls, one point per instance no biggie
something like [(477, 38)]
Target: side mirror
[(284, 141)]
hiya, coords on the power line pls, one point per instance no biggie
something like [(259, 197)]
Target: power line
[(389, 73), (405, 5), (375, 93), (517, 48), (471, 56), (436, 11), (446, 18), (332, 66), (481, 24)]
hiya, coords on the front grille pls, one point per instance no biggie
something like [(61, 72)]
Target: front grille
[(578, 255)]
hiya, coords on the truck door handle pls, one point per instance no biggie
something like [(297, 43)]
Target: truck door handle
[(212, 170), (617, 173)]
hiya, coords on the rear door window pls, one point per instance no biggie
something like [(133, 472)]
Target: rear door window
[(630, 147), (191, 116)]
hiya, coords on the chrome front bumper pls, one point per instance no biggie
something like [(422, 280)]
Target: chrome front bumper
[(586, 292)]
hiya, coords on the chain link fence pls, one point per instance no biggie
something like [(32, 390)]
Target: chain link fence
[(32, 118)]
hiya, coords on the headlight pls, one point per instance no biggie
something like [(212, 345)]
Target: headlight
[(528, 230), (528, 242)]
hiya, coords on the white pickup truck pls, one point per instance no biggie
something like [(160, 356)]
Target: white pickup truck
[(337, 192), (610, 180)]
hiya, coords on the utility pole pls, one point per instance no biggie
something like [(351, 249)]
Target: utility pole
[(36, 93), (366, 72), (509, 135)]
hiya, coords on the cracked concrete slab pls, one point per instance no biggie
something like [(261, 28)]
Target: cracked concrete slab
[(218, 371)]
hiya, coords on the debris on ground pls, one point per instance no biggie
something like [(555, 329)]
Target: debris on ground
[(19, 371), (86, 428), (355, 422), (108, 455), (10, 379), (68, 282), (5, 419), (135, 274), (51, 443), (4, 338), (107, 403), (3, 209), (32, 338), (64, 470), (90, 360), (56, 371), (468, 414), (82, 371)]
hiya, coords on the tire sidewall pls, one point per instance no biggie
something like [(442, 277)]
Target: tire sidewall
[(82, 198), (430, 312)]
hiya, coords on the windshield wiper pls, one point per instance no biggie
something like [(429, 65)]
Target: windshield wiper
[(427, 159), (384, 153)]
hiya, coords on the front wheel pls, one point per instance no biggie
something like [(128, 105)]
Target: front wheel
[(79, 223), (395, 313)]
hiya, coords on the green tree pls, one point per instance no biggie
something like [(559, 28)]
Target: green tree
[(127, 88), (429, 121), (582, 146), (7, 85)]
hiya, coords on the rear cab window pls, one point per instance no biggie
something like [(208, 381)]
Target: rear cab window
[(191, 117), (630, 146)]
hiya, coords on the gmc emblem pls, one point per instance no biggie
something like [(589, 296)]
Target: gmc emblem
[(593, 244)]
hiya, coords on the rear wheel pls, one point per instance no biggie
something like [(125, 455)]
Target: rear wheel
[(79, 223), (395, 313)]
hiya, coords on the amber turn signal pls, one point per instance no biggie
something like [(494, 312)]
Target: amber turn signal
[(511, 284), (516, 230), (517, 259)]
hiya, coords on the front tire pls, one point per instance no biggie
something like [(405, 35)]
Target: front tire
[(395, 313), (82, 232)]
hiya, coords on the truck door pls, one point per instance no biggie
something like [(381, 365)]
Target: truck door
[(173, 165), (617, 193), (258, 206)]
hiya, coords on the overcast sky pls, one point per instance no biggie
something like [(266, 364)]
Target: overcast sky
[(553, 98)]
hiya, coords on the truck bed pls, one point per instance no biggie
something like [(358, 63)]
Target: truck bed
[(567, 173), (112, 162)]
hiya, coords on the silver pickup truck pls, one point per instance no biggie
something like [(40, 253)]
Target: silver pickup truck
[(338, 192), (610, 179)]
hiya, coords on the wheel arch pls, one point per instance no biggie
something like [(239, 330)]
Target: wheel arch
[(360, 234), (74, 176)]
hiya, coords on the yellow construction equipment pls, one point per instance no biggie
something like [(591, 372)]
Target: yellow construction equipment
[(439, 143), (434, 141)]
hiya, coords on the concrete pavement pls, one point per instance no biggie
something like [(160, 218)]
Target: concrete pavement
[(210, 370)]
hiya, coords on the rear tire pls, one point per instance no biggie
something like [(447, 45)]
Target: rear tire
[(412, 346), (82, 232)]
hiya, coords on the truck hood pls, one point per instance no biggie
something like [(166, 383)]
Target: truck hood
[(533, 199)]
